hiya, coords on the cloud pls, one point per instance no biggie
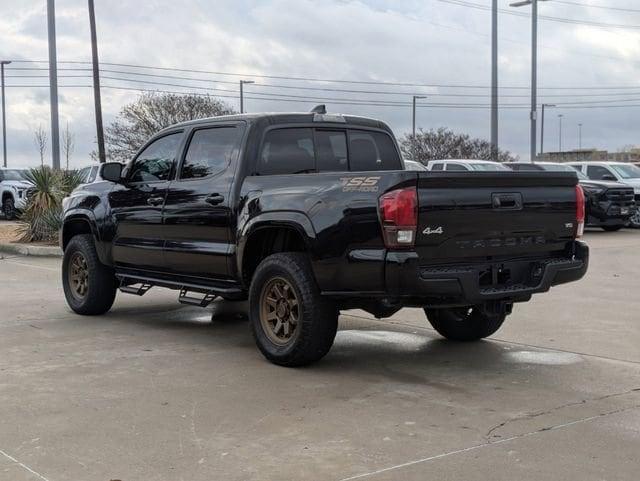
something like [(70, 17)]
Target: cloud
[(426, 41)]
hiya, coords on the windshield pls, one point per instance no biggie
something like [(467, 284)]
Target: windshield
[(413, 165), (627, 171), (488, 166), (13, 174), (563, 168)]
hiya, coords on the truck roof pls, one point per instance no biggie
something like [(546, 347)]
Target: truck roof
[(270, 118)]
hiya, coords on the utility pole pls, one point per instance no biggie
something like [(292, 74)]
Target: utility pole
[(542, 129), (534, 71), (413, 124), (560, 133), (4, 119), (102, 157), (53, 85), (242, 83), (494, 80)]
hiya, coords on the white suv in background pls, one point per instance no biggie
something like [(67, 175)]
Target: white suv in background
[(462, 165), (622, 172), (13, 191)]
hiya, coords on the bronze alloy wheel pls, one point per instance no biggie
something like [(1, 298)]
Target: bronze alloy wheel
[(78, 275), (279, 311)]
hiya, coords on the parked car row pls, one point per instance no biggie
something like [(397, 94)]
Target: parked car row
[(612, 189)]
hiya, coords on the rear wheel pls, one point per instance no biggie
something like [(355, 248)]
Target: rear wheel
[(291, 323), (89, 286), (9, 209), (612, 228), (464, 323)]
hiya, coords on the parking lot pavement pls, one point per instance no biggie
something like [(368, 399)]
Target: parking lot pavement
[(159, 391)]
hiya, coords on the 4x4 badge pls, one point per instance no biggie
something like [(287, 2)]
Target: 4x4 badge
[(429, 230)]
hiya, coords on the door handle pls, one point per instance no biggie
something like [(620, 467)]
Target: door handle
[(155, 200), (214, 199)]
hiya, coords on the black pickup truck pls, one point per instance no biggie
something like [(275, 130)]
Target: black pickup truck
[(308, 214)]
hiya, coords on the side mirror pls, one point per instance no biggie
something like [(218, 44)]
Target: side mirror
[(112, 171), (609, 177)]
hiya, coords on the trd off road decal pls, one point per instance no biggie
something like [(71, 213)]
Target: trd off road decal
[(359, 184)]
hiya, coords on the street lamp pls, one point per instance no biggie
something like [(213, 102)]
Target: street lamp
[(4, 127), (242, 84), (534, 68), (415, 97), (413, 130), (560, 133), (542, 127)]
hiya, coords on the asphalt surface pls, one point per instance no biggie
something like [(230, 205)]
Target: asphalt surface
[(158, 391)]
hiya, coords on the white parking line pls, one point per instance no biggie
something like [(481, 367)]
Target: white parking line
[(22, 465)]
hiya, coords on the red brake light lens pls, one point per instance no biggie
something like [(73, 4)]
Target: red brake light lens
[(580, 211), (399, 217)]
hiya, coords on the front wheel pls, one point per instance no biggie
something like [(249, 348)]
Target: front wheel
[(89, 286), (634, 221), (291, 323), (464, 323)]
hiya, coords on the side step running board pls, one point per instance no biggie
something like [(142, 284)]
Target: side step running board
[(203, 301), (140, 290)]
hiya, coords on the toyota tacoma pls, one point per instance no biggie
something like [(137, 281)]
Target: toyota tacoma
[(308, 214)]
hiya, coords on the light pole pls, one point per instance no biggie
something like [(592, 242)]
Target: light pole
[(534, 69), (96, 83), (542, 128), (413, 128), (415, 97), (4, 121), (560, 132), (242, 83), (579, 136), (494, 80), (53, 85)]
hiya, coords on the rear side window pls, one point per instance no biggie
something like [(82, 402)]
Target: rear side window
[(287, 151), (597, 172), (209, 151), (331, 151), (370, 151), (456, 167)]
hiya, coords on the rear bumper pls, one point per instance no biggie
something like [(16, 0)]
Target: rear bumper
[(470, 284)]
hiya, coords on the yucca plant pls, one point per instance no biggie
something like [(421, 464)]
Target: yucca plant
[(42, 218)]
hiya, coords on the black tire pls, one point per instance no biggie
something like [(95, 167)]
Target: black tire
[(464, 324), (612, 228), (99, 282), (9, 209), (314, 330)]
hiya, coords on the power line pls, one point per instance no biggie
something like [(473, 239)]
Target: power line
[(573, 21), (603, 7)]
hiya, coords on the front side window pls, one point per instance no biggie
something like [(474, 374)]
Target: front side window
[(287, 151), (156, 161), (209, 151), (370, 151), (597, 172), (438, 166), (331, 149)]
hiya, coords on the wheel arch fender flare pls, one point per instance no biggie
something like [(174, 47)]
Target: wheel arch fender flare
[(78, 217), (292, 220)]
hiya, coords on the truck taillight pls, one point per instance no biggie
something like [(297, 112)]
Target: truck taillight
[(399, 217), (580, 214)]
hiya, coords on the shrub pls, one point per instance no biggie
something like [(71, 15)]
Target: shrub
[(42, 218)]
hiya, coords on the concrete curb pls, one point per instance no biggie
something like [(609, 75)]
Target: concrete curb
[(30, 250)]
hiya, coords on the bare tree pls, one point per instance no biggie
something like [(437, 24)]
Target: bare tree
[(446, 144), (152, 112), (68, 143), (40, 140)]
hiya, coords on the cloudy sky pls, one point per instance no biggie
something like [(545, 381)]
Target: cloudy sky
[(442, 47)]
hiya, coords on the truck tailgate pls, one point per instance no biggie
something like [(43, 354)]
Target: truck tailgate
[(485, 214)]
